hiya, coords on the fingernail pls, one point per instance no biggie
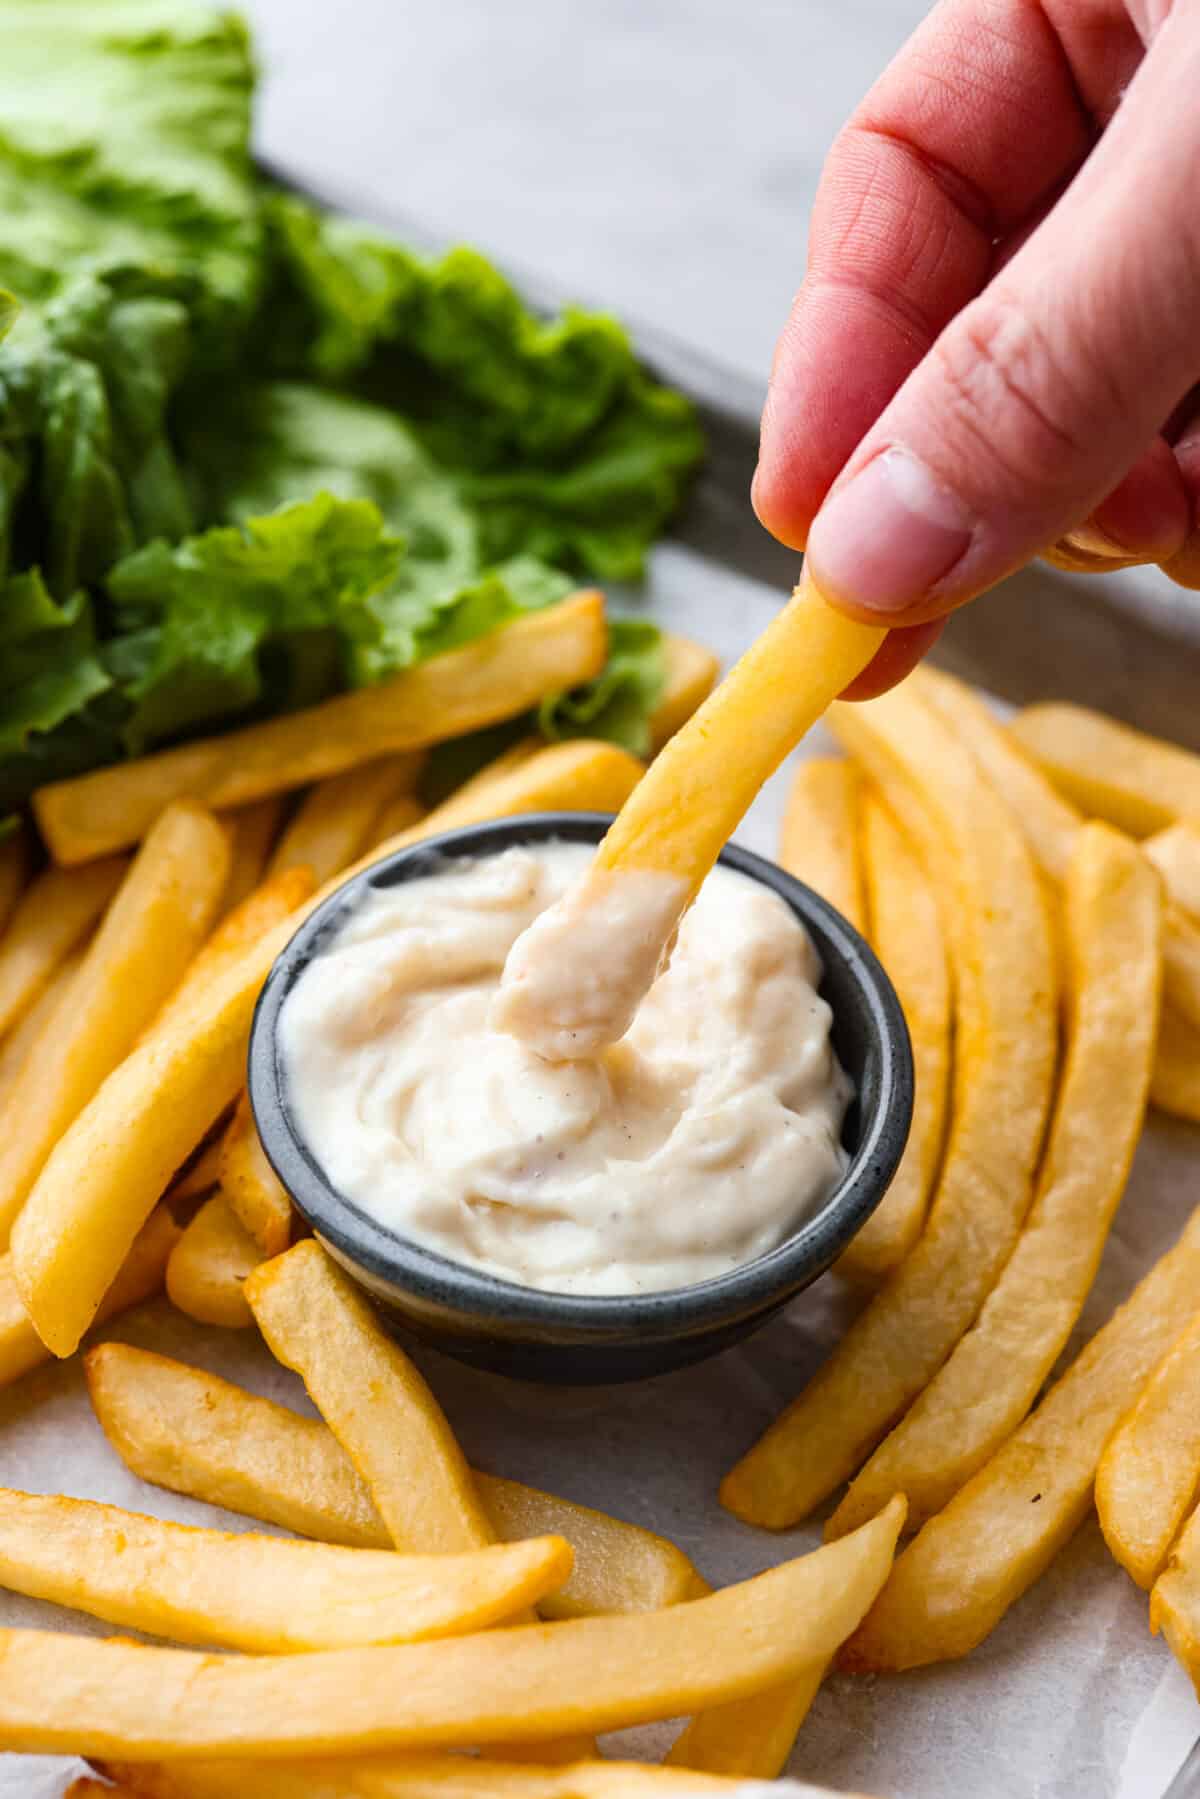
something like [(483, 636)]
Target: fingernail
[(883, 540)]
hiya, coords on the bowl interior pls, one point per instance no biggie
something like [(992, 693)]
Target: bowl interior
[(869, 1035)]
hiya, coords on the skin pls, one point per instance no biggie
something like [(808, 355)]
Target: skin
[(1003, 290)]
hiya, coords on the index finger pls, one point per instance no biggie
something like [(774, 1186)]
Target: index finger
[(977, 121)]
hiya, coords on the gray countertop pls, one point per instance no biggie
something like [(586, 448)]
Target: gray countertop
[(659, 156)]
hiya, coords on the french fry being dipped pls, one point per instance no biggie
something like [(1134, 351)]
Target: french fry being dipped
[(622, 916)]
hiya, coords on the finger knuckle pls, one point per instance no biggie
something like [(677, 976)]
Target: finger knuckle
[(1028, 409)]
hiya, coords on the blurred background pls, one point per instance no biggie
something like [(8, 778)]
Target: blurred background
[(656, 156)]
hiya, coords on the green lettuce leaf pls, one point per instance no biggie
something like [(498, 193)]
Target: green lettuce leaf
[(618, 703)]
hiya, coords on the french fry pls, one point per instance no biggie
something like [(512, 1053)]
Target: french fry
[(276, 900), (431, 1777), (1181, 965), (581, 776), (87, 1788), (252, 833), (336, 820), (105, 1173), (1051, 825), (372, 1398), (1149, 1474), (1175, 1082), (1175, 1600), (265, 1595), (197, 1434), (250, 1185), (148, 936), (29, 1027), (1004, 1062), (14, 871), (404, 812), (1175, 853), (679, 818), (820, 842), (65, 1693), (54, 914), (692, 672), (108, 1170), (1139, 783), (751, 1738), (200, 1174), (140, 1276), (1000, 1532), (980, 1395), (906, 934), (497, 676), (209, 1266)]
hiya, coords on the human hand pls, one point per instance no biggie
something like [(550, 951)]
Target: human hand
[(996, 346)]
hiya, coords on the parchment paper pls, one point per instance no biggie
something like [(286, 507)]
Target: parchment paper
[(1070, 1698)]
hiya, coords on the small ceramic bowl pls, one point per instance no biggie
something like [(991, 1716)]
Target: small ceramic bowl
[(561, 1337)]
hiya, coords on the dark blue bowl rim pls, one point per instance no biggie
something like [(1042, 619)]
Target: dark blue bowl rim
[(398, 1264)]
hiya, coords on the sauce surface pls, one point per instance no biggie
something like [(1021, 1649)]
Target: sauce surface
[(698, 1142)]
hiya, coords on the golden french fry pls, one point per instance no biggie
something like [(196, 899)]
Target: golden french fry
[(680, 816), (977, 1398), (906, 934), (19, 1043), (1149, 1474), (107, 1171), (1000, 1532), (692, 672), (428, 1777), (497, 676), (404, 812), (148, 936), (820, 842), (200, 1174), (1175, 1600), (1175, 853), (1004, 1058), (276, 900), (54, 913), (1051, 824), (1181, 965), (266, 1595), (582, 776), (65, 1693), (15, 858), (87, 1788), (250, 1185), (252, 833), (197, 1434), (209, 1265), (109, 1168), (337, 819), (1049, 821), (315, 1321), (140, 1275), (1175, 1082), (751, 1738), (1139, 783)]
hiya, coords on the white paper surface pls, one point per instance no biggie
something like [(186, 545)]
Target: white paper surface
[(1070, 1698)]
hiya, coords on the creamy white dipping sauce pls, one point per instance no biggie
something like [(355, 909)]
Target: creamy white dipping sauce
[(699, 1141)]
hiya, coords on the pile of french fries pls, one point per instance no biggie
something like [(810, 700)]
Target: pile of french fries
[(361, 1652), (1022, 884), (428, 1629)]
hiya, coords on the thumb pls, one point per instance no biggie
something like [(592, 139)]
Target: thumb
[(1042, 392)]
